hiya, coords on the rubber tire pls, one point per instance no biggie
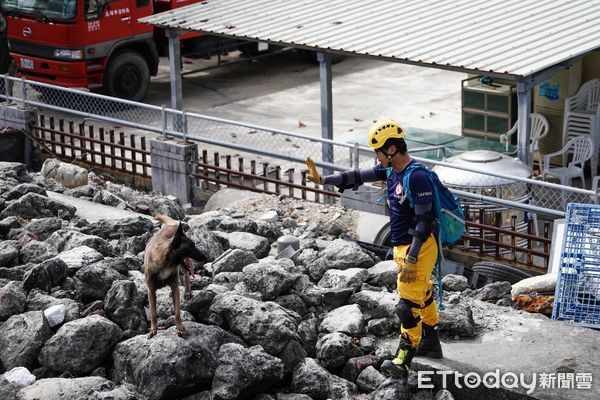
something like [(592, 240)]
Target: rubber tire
[(134, 65), (498, 272)]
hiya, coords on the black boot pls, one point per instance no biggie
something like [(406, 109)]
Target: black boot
[(398, 367), (430, 345)]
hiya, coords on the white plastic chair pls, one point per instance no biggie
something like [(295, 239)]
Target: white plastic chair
[(582, 117), (596, 189), (539, 130), (582, 149)]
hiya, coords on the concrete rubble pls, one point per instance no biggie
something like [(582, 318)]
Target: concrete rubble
[(73, 308)]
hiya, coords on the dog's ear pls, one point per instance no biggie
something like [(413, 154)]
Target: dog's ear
[(178, 238)]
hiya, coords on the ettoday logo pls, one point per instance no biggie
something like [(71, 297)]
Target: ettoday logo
[(507, 380)]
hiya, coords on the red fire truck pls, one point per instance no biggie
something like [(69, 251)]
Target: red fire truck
[(94, 44)]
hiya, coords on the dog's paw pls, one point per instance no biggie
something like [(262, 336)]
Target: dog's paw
[(151, 333), (181, 332)]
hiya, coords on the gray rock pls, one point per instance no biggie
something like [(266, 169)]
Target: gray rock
[(258, 323), (457, 319), (42, 228), (307, 256), (269, 230), (22, 189), (110, 199), (215, 220), (268, 278), (96, 279), (455, 283), (339, 254), (335, 349), (376, 304), (507, 302), (166, 365), (14, 273), (14, 171), (444, 394), (9, 253), (369, 380), (315, 381), (391, 389), (166, 206), (308, 333), (8, 390), (233, 260), (33, 205), (334, 298), (356, 365), (46, 275), (12, 300), (242, 373), (199, 305), (88, 388), (493, 291), (384, 274), (64, 240), (383, 327), (114, 229), (206, 242), (292, 302), (36, 252), (347, 319), (228, 279), (343, 279), (80, 191), (122, 307), (291, 355), (333, 228), (79, 257), (21, 338), (37, 301), (68, 175), (80, 346), (247, 241), (134, 244)]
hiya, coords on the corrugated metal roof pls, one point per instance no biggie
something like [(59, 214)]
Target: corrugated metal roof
[(516, 37)]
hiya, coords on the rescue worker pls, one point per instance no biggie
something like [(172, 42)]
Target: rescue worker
[(415, 247)]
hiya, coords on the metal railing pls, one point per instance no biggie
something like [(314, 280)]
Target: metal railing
[(216, 133)]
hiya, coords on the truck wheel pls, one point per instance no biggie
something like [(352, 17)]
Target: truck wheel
[(127, 76), (500, 272)]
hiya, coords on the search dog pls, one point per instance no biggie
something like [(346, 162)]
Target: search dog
[(165, 252)]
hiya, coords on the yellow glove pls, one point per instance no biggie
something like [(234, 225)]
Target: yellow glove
[(313, 174), (408, 272)]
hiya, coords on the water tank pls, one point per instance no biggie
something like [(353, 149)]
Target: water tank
[(487, 161)]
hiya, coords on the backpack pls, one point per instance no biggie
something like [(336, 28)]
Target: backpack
[(448, 214), (449, 218)]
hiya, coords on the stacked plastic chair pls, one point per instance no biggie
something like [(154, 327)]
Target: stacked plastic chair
[(582, 117)]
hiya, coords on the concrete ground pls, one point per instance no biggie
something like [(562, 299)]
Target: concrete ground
[(93, 212), (519, 342), (282, 90)]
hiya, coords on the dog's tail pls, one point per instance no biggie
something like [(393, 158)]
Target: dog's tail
[(165, 219)]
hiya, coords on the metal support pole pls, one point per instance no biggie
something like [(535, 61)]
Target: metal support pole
[(175, 69), (524, 123), (326, 107)]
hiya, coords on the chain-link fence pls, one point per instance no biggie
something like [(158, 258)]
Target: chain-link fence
[(287, 148)]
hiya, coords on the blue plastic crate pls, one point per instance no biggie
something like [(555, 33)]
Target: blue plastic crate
[(577, 296)]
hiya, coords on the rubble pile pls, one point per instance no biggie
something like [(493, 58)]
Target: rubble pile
[(74, 318)]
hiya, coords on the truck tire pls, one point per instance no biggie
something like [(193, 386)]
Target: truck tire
[(500, 272), (127, 76)]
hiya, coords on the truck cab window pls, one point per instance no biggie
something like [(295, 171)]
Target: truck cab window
[(141, 3), (51, 9), (93, 8)]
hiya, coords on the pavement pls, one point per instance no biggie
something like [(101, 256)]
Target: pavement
[(93, 212), (517, 342), (282, 90)]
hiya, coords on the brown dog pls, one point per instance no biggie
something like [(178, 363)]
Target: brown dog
[(166, 250)]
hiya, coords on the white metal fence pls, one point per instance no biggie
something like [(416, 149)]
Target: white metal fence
[(531, 194)]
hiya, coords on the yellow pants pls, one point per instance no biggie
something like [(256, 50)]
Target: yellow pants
[(418, 293)]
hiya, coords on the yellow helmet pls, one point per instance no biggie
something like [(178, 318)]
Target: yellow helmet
[(383, 130)]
